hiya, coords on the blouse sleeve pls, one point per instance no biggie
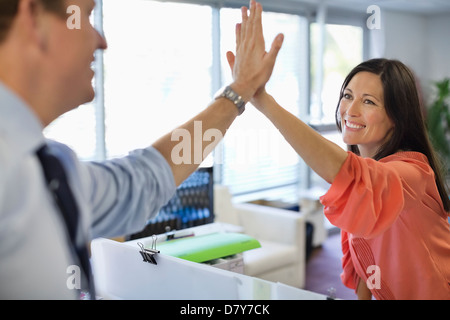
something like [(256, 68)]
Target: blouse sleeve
[(365, 198)]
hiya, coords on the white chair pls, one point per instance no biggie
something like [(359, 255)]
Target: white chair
[(281, 233)]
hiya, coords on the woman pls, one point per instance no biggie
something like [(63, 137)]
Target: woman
[(387, 192)]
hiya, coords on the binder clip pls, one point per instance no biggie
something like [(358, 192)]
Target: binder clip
[(149, 254)]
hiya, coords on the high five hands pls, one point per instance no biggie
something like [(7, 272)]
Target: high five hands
[(252, 66)]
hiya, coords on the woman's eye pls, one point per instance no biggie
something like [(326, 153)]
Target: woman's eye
[(369, 102), (346, 96)]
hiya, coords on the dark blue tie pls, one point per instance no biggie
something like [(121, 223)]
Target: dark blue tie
[(58, 185)]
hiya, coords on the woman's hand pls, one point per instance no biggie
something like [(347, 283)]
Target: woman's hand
[(252, 66)]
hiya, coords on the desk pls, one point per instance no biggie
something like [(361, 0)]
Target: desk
[(120, 273)]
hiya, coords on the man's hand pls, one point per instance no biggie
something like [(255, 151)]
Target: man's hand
[(252, 66)]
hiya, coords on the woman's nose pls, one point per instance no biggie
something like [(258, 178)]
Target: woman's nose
[(353, 108)]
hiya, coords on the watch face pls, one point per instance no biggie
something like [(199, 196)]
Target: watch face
[(233, 97)]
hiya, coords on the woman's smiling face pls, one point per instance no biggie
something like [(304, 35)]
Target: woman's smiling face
[(364, 120)]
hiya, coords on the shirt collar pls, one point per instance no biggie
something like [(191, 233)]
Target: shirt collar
[(20, 128)]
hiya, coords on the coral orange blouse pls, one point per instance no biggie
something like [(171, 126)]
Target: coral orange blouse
[(395, 232)]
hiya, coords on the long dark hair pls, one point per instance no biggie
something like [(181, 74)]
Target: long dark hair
[(403, 107)]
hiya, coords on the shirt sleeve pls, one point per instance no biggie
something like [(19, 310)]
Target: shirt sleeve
[(125, 193), (365, 198)]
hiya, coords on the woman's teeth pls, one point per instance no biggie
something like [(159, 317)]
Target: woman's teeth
[(354, 125)]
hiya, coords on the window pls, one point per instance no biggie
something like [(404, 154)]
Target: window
[(342, 51), (164, 62), (77, 129), (157, 69)]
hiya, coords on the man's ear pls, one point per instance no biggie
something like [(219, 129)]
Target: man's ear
[(32, 17)]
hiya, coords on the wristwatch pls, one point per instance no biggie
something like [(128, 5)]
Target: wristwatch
[(231, 95)]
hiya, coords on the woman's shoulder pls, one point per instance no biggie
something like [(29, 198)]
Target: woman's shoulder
[(410, 163), (407, 156)]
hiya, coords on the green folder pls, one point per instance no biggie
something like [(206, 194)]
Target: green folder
[(208, 247)]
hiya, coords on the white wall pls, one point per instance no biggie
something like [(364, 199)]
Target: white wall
[(421, 42), (438, 47)]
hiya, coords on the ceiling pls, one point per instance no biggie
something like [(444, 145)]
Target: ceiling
[(425, 7)]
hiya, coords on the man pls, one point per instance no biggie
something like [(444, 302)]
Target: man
[(45, 71)]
